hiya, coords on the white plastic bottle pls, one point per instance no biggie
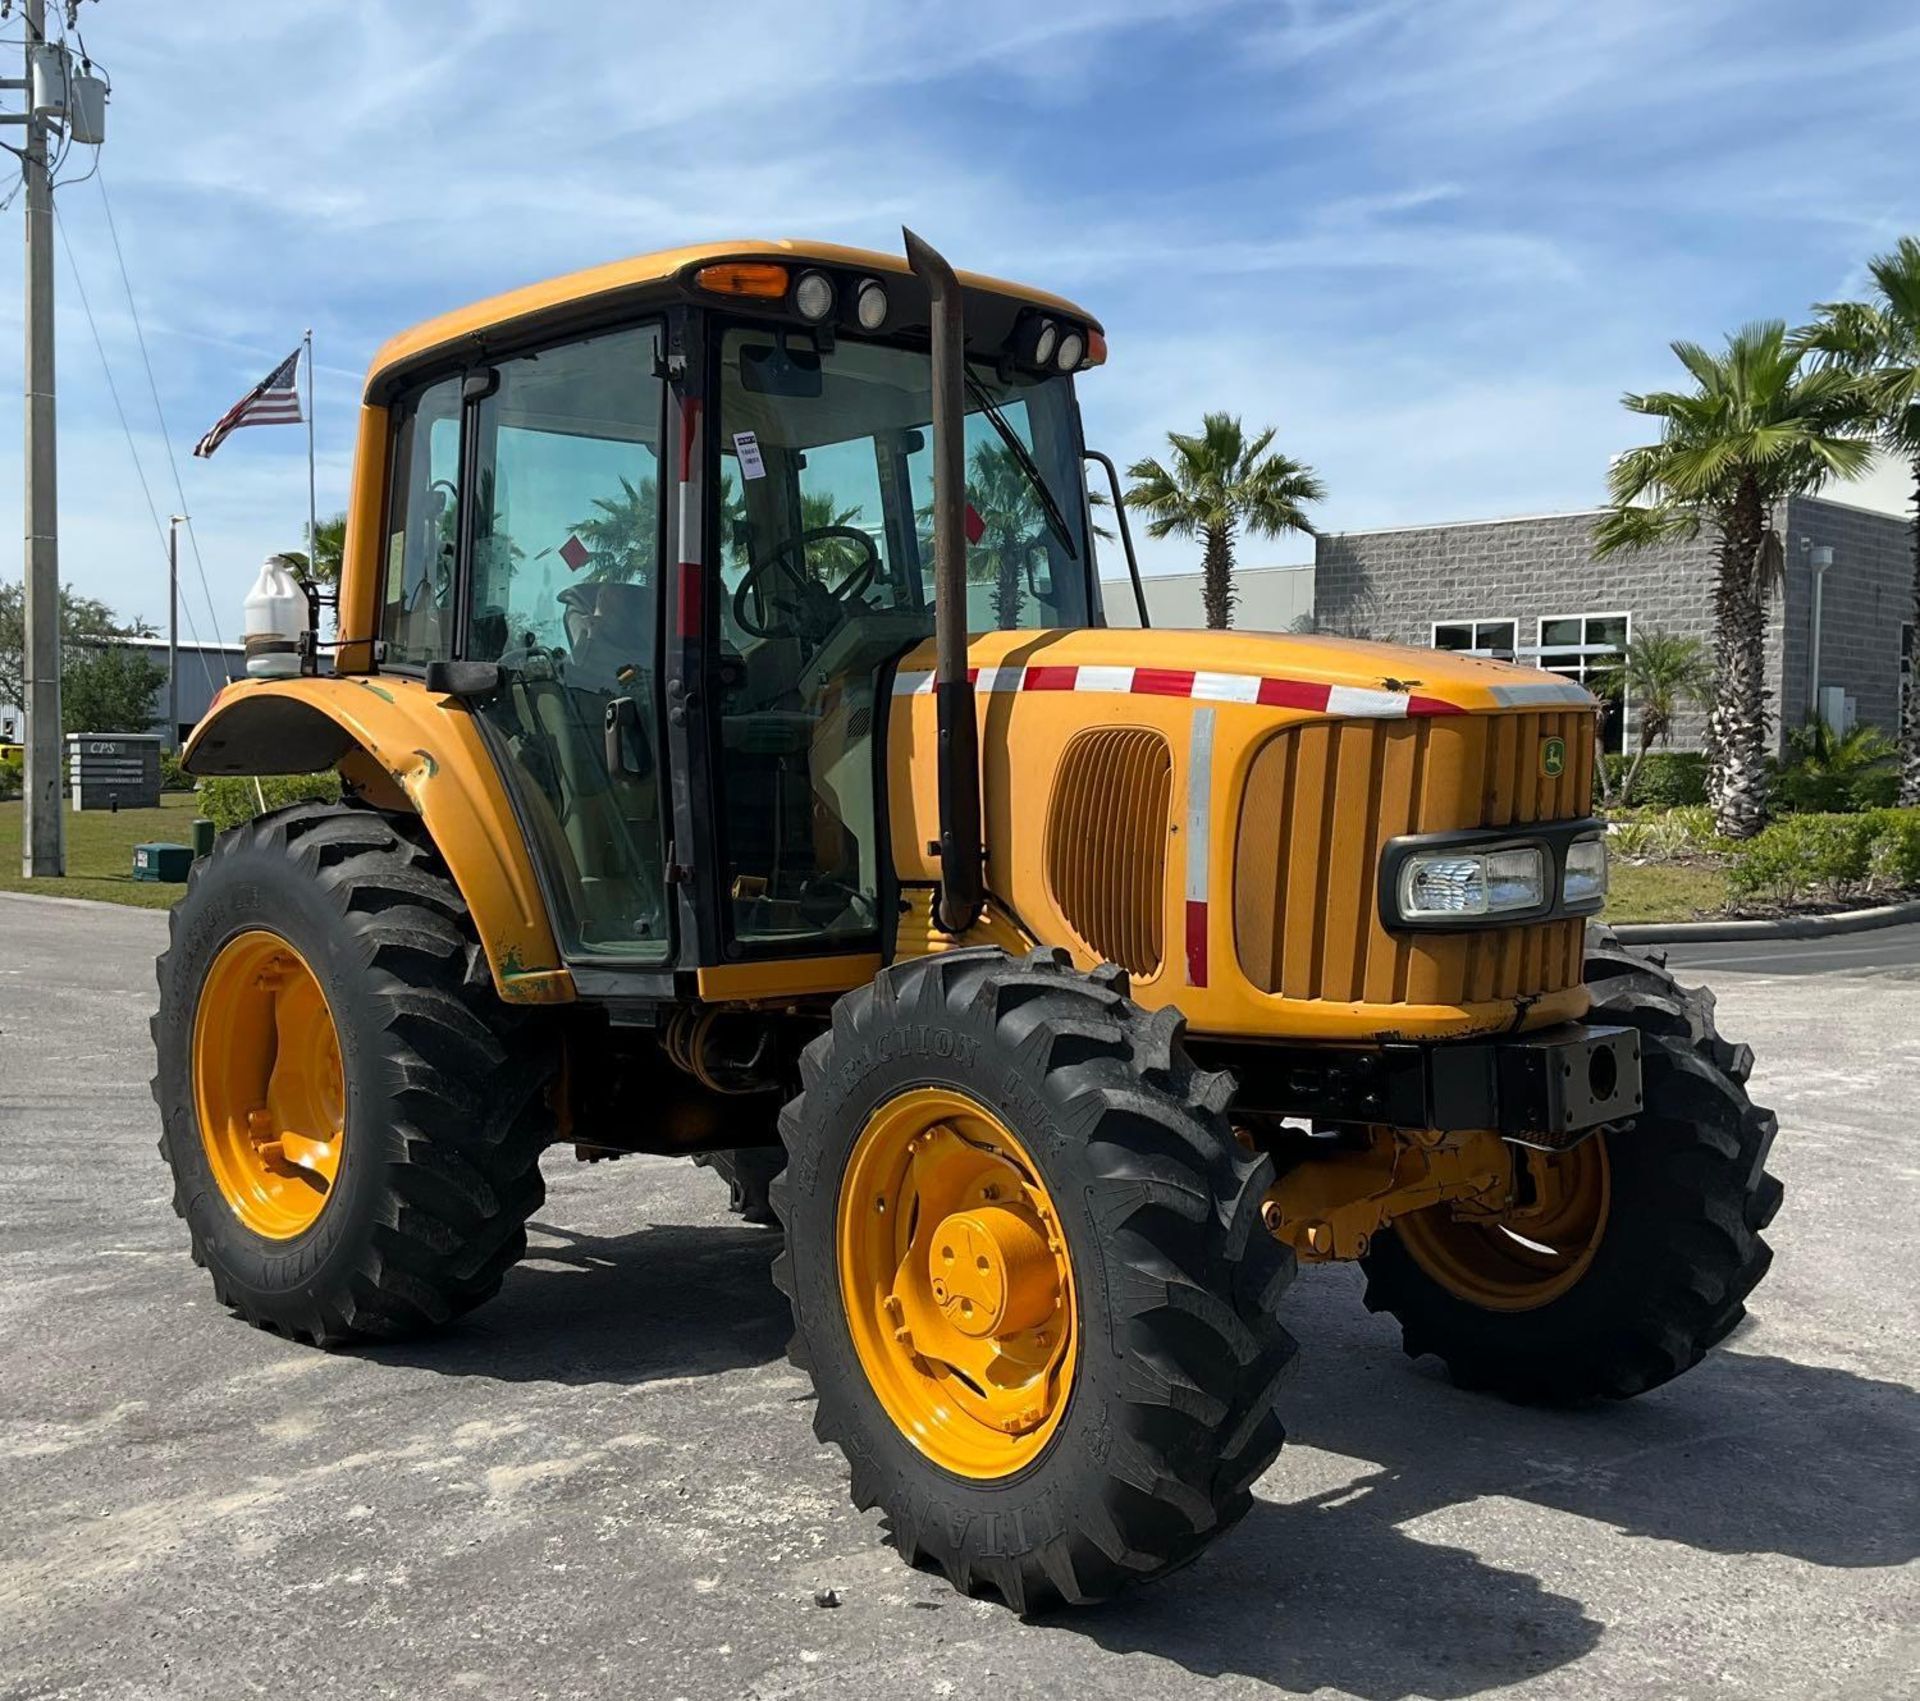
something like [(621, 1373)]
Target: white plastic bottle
[(276, 615)]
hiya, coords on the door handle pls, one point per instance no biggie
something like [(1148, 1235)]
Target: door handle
[(626, 753)]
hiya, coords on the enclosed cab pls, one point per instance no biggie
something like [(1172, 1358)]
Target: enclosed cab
[(738, 763)]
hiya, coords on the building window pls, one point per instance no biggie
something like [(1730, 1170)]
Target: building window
[(1494, 638), (1906, 669), (1588, 648)]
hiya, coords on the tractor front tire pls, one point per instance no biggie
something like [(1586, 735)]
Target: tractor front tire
[(322, 970), (1029, 1276), (1673, 1255)]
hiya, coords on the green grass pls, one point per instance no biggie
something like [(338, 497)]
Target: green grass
[(100, 852), (1664, 891)]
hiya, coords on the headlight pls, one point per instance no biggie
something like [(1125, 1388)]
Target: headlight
[(1585, 880), (1072, 347), (1472, 883), (813, 295), (870, 305), (1044, 337)]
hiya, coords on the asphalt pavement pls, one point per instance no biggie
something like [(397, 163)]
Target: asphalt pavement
[(606, 1484), (1890, 952)]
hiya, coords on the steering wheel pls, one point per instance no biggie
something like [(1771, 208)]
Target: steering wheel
[(815, 608)]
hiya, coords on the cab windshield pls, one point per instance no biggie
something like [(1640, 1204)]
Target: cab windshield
[(825, 559), (826, 480)]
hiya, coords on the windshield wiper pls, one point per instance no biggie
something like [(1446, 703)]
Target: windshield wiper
[(1056, 521)]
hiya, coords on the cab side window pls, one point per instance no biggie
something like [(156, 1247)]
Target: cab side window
[(421, 536), (563, 541)]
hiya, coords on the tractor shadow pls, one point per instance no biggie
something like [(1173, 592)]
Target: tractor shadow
[(667, 1300), (1325, 1585), (1748, 1454)]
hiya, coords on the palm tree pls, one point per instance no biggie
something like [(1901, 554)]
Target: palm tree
[(1755, 428), (1828, 770), (1219, 484), (828, 560), (329, 545), (1879, 340), (622, 535), (1011, 524), (1660, 673)]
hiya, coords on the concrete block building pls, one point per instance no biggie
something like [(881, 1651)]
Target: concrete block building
[(1534, 589)]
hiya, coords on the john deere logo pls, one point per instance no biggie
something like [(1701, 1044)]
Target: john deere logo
[(1553, 758)]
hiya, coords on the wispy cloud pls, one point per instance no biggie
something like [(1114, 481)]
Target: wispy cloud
[(1431, 240)]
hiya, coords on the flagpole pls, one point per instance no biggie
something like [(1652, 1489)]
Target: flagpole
[(313, 505)]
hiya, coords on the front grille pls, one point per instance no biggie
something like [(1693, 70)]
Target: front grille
[(1107, 843), (1320, 802)]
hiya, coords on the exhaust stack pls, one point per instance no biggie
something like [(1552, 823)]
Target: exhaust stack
[(959, 752)]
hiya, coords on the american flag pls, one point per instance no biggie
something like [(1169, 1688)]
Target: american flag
[(275, 400)]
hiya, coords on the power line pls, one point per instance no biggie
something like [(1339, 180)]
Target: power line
[(179, 490), (113, 390)]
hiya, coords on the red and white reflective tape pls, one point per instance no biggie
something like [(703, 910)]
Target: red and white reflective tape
[(1199, 838), (1355, 701)]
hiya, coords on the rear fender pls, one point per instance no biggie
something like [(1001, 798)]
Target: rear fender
[(401, 746)]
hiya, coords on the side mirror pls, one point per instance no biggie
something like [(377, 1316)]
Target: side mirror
[(467, 680)]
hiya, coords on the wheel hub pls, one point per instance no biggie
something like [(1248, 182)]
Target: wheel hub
[(269, 1087), (1535, 1251), (991, 1273), (957, 1283)]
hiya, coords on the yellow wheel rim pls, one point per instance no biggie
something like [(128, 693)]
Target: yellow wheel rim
[(1531, 1254), (267, 1085), (957, 1283)]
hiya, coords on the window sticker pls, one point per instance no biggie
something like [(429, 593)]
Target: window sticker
[(747, 447), (575, 553), (396, 565)]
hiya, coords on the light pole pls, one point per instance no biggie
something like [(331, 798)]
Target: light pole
[(1820, 559), (174, 524)]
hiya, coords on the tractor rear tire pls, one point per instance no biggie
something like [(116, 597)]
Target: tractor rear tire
[(440, 1090), (1680, 1247), (1163, 1416), (748, 1172)]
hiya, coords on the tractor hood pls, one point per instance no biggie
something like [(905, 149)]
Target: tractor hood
[(1212, 811), (1335, 676)]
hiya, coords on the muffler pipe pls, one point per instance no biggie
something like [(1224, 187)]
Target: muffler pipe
[(959, 733)]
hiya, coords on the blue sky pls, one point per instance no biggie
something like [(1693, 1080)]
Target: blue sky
[(1430, 240)]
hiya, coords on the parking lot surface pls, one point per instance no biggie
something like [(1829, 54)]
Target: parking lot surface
[(605, 1483)]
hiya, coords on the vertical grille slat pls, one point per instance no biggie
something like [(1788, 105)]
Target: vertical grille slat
[(1322, 800), (1107, 843), (1355, 801), (1306, 875)]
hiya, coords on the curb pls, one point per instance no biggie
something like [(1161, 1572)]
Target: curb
[(79, 903), (1781, 927)]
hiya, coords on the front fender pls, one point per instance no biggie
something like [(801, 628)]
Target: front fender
[(393, 733)]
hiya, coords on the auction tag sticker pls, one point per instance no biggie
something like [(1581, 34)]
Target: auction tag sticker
[(747, 447)]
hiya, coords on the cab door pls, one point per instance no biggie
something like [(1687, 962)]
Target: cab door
[(562, 544)]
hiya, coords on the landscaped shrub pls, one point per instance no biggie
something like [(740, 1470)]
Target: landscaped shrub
[(232, 798), (1828, 854), (1667, 833), (13, 774), (1666, 778), (1894, 862), (173, 777)]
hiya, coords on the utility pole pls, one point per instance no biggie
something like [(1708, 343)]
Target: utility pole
[(43, 847), (173, 630)]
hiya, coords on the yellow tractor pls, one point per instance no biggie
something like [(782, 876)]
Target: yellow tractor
[(738, 763)]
